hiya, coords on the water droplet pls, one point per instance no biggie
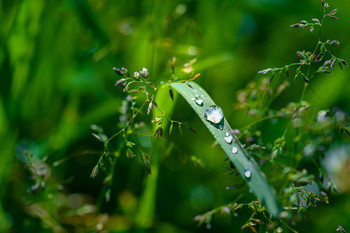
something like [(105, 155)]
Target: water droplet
[(214, 114), (227, 134), (229, 139), (234, 150), (199, 101), (221, 127), (248, 173)]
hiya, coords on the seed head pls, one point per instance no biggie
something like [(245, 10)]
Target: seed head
[(118, 71), (159, 132), (333, 12), (120, 82), (333, 62), (334, 17), (150, 106), (264, 71), (124, 70), (344, 62), (171, 93), (144, 72), (136, 75)]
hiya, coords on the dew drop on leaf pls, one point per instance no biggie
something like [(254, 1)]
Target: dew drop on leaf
[(248, 173), (198, 100), (229, 139), (214, 114), (234, 150)]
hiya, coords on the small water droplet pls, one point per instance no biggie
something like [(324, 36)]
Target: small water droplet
[(221, 127), (214, 114), (248, 173), (227, 134), (199, 101), (234, 149), (228, 139)]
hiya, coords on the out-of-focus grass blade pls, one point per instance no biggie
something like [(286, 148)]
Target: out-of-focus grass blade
[(145, 215), (89, 19), (245, 164), (8, 138)]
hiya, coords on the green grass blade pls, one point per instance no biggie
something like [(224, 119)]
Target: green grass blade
[(145, 215), (242, 161)]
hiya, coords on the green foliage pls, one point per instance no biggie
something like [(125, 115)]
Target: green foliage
[(222, 132)]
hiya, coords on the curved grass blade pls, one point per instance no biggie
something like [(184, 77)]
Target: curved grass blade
[(245, 164)]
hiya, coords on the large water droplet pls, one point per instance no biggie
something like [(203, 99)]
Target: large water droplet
[(234, 150), (248, 173), (228, 139), (214, 114)]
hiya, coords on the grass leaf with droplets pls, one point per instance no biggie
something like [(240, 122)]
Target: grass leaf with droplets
[(244, 163)]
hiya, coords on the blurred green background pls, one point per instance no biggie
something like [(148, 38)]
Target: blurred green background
[(56, 60)]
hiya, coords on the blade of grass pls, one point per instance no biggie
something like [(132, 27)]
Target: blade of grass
[(8, 138), (242, 161), (89, 19), (145, 215)]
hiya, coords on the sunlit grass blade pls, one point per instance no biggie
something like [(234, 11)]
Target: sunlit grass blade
[(244, 163)]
